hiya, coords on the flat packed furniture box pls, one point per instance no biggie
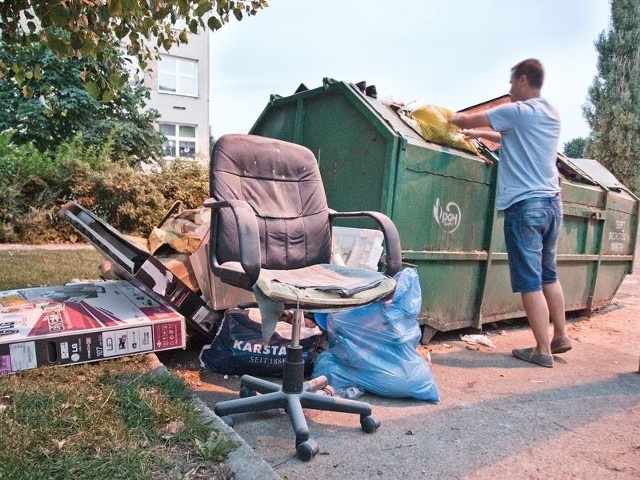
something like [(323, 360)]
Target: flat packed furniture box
[(83, 322)]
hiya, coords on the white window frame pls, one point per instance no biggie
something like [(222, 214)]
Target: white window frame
[(178, 140), (177, 72)]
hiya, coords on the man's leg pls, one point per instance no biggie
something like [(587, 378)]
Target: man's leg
[(537, 310), (555, 300)]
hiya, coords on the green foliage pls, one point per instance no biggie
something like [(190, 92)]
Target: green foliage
[(574, 148), (613, 106), (54, 106), (173, 178), (33, 186), (24, 171), (129, 199), (216, 447), (83, 29)]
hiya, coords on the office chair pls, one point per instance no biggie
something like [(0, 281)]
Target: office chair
[(271, 233)]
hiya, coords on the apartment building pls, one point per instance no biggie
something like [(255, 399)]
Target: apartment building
[(179, 88)]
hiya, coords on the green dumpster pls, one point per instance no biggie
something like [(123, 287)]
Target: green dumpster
[(442, 201)]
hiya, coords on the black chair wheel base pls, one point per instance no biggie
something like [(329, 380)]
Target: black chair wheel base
[(305, 451), (369, 423), (247, 392), (228, 420)]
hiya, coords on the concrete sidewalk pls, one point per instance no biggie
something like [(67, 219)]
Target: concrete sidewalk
[(498, 417)]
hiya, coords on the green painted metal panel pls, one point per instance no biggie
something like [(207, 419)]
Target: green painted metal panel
[(348, 163)]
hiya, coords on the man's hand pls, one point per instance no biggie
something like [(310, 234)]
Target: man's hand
[(472, 133)]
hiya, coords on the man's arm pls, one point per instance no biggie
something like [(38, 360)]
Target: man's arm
[(471, 120)]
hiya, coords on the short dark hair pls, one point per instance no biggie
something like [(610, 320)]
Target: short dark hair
[(532, 69)]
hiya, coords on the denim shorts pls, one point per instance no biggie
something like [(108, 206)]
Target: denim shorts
[(531, 229)]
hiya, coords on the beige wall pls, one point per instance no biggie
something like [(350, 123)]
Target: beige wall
[(184, 109)]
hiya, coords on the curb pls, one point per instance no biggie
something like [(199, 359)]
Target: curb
[(244, 463)]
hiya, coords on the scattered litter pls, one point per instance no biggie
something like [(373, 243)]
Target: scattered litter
[(226, 377), (475, 339), (425, 353), (350, 393), (171, 429)]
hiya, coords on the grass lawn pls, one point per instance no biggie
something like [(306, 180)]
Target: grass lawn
[(113, 419), (35, 267)]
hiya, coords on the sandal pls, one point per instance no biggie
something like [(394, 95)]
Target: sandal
[(529, 355)]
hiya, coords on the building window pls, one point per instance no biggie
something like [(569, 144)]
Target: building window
[(179, 141), (178, 75)]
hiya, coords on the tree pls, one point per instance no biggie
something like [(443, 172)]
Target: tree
[(574, 148), (84, 28), (613, 106), (59, 107)]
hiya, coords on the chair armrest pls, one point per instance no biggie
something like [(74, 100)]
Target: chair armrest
[(248, 235), (390, 232)]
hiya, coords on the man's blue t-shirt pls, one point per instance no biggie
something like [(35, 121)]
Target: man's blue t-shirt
[(527, 168)]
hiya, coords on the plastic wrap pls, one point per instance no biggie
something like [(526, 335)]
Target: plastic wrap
[(374, 347)]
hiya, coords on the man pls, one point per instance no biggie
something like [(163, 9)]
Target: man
[(528, 192)]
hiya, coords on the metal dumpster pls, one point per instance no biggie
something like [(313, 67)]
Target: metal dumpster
[(442, 201)]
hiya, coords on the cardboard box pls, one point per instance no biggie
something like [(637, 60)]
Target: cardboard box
[(221, 296), (146, 271), (83, 322)]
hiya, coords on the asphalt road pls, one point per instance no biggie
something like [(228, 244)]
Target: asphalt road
[(498, 417)]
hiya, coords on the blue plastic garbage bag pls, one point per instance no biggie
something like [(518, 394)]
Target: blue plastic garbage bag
[(374, 347)]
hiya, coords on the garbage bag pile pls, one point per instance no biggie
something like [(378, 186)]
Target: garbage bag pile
[(374, 347)]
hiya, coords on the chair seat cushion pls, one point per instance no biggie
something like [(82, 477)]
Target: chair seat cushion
[(324, 287)]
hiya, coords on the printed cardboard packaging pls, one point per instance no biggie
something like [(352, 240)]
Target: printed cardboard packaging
[(83, 322)]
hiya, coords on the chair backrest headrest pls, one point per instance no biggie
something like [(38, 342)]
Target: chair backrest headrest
[(281, 181)]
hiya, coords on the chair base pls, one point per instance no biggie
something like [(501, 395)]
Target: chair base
[(293, 396)]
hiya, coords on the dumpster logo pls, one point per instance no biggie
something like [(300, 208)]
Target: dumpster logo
[(448, 218)]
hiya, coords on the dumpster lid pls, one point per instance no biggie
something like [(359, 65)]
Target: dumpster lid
[(590, 171)]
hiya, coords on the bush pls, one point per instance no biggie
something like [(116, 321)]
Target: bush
[(186, 181), (33, 185), (24, 174)]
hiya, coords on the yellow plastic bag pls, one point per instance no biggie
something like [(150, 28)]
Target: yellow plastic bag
[(435, 125)]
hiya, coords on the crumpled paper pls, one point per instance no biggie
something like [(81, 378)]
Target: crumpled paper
[(477, 339)]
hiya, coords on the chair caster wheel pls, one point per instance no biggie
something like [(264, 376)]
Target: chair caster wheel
[(228, 420), (247, 392), (369, 423), (307, 450)]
